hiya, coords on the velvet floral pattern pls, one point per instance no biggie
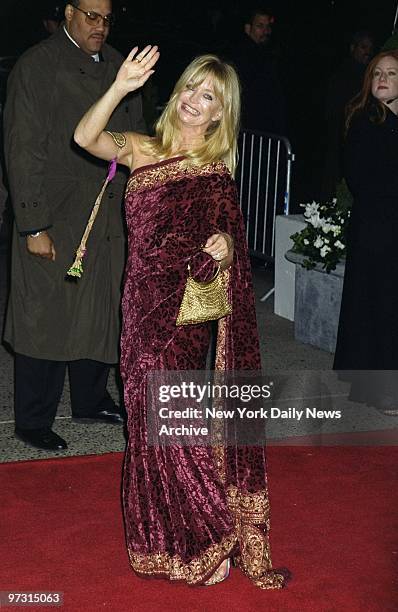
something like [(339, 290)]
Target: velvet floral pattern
[(187, 508)]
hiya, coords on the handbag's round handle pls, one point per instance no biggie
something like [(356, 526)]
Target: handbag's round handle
[(217, 272)]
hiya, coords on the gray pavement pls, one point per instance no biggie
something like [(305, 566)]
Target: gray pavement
[(282, 357)]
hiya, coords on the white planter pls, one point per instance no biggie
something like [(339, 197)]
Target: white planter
[(285, 271), (317, 304)]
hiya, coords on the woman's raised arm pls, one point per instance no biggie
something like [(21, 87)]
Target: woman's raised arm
[(90, 134)]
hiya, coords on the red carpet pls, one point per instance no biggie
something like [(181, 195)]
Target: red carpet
[(334, 525)]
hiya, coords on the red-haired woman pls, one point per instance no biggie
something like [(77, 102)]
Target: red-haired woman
[(368, 327)]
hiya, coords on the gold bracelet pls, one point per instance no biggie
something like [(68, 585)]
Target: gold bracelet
[(118, 138)]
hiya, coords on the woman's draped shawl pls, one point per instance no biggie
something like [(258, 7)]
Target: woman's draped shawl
[(187, 508)]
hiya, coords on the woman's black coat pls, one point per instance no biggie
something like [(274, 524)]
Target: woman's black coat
[(368, 326)]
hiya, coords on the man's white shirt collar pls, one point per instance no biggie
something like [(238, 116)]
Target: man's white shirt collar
[(95, 56)]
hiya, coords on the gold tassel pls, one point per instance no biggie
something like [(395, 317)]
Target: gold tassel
[(76, 268)]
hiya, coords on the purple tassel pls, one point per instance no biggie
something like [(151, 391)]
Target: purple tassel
[(111, 169)]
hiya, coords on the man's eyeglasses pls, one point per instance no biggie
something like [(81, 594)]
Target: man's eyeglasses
[(93, 18)]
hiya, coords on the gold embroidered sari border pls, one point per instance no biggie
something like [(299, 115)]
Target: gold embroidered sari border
[(172, 567), (254, 557), (253, 508), (156, 175)]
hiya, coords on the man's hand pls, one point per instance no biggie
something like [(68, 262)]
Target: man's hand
[(41, 246)]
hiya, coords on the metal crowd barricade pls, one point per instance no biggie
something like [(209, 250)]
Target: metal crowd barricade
[(263, 181)]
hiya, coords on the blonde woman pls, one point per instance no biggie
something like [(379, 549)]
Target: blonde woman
[(188, 510)]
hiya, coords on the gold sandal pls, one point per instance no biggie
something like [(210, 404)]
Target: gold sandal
[(221, 573)]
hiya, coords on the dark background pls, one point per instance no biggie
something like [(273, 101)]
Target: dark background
[(310, 40)]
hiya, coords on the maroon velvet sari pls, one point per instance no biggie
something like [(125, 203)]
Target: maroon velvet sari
[(187, 508)]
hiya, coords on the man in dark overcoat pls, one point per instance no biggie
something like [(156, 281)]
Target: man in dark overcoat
[(263, 102), (52, 322)]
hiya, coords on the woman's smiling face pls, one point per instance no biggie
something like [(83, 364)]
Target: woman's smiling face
[(198, 106)]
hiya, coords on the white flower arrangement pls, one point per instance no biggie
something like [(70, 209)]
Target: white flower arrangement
[(323, 240)]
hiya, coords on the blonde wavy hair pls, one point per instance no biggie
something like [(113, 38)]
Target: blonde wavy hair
[(221, 136)]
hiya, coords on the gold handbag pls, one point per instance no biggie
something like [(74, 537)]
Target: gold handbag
[(204, 301)]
